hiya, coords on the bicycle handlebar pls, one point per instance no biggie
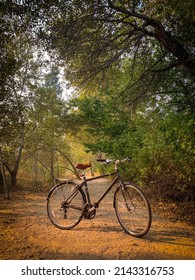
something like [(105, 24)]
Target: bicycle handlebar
[(117, 161)]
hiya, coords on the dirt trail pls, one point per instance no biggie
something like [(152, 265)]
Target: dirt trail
[(26, 233)]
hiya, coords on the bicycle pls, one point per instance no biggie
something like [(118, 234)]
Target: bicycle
[(68, 203)]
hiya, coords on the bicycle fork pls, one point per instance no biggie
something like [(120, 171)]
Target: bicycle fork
[(126, 197)]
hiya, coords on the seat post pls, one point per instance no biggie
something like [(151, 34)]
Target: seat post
[(86, 187), (83, 175), (82, 167)]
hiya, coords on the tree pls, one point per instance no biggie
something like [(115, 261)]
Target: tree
[(2, 173), (16, 102), (46, 137), (94, 36), (16, 18)]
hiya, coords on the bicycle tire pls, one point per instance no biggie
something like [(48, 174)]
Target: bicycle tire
[(65, 205), (133, 210)]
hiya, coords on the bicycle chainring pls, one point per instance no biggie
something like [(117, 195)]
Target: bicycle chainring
[(89, 212)]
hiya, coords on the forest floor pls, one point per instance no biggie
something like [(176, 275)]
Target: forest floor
[(26, 233)]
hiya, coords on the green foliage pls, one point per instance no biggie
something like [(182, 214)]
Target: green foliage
[(157, 134), (102, 122)]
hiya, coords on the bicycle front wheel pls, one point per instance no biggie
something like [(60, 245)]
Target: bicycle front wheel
[(65, 205), (132, 210)]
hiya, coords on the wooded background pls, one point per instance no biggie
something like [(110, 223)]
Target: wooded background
[(84, 79)]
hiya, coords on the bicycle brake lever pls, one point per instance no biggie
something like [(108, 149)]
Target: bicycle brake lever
[(108, 161)]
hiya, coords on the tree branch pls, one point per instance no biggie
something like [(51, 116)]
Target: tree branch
[(168, 67), (128, 12), (170, 43), (68, 159), (39, 162)]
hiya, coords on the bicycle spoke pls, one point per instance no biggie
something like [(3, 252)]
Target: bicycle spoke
[(133, 210), (65, 206)]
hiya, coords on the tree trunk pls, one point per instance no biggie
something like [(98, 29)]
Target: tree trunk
[(52, 163), (13, 175), (35, 172), (172, 45), (13, 172), (1, 181), (6, 191)]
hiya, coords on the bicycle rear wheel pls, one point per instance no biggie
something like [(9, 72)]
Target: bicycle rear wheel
[(65, 205), (133, 210)]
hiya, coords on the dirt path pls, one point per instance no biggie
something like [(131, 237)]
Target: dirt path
[(26, 233)]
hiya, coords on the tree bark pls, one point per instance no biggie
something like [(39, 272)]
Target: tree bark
[(6, 190), (13, 172), (173, 46)]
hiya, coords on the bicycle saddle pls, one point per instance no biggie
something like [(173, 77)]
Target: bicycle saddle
[(82, 166)]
